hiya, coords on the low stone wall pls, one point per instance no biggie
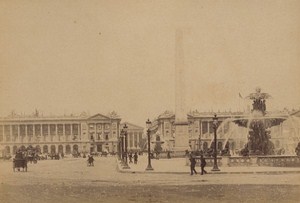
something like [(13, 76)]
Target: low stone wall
[(279, 161), (164, 155), (209, 161), (239, 161), (273, 161)]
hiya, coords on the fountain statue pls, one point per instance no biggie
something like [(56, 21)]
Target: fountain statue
[(259, 124), (157, 145)]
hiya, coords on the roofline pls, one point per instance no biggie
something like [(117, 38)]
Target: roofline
[(131, 124)]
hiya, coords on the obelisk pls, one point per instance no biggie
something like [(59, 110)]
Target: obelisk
[(181, 122)]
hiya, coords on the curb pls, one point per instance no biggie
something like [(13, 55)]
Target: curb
[(118, 168)]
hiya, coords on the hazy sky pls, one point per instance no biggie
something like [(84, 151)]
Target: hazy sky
[(65, 57)]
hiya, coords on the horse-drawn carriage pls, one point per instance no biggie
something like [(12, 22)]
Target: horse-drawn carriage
[(19, 163)]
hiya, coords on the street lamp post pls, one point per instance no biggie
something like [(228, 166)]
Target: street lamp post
[(199, 142), (215, 125), (122, 145), (126, 166), (149, 167)]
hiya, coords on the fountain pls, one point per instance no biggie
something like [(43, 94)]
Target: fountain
[(157, 146), (259, 124), (261, 137)]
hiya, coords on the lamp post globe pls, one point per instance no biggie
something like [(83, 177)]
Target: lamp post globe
[(215, 126), (148, 125)]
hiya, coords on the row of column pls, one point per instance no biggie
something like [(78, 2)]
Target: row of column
[(4, 137), (133, 139)]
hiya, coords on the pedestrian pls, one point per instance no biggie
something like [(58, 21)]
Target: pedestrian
[(135, 158), (203, 164), (91, 160), (193, 164), (130, 157)]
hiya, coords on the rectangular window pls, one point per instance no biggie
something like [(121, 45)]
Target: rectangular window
[(15, 130), (204, 127), (67, 129), (60, 129), (75, 129), (52, 129), (44, 130), (29, 130), (211, 127), (37, 130)]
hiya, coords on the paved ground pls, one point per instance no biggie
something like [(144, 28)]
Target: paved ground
[(70, 180)]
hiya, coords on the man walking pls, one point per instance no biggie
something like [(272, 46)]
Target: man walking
[(203, 164), (193, 164), (135, 158), (130, 157)]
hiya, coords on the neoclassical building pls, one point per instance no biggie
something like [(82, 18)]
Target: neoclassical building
[(285, 135), (66, 134), (135, 136)]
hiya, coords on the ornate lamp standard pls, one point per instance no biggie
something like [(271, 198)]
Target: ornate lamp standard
[(122, 145), (199, 142), (215, 126), (126, 166), (149, 167)]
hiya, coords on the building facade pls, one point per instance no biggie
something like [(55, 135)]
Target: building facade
[(135, 135), (60, 134), (201, 131)]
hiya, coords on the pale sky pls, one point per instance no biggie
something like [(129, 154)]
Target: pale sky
[(64, 57)]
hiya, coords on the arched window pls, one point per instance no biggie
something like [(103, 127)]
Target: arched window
[(45, 149), (38, 149), (75, 148), (60, 149), (68, 149), (52, 149)]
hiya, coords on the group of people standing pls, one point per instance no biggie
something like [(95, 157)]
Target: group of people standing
[(193, 164), (135, 157)]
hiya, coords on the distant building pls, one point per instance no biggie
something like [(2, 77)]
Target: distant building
[(66, 134), (201, 130), (134, 136)]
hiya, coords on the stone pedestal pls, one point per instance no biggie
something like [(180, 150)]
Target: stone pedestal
[(181, 138)]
